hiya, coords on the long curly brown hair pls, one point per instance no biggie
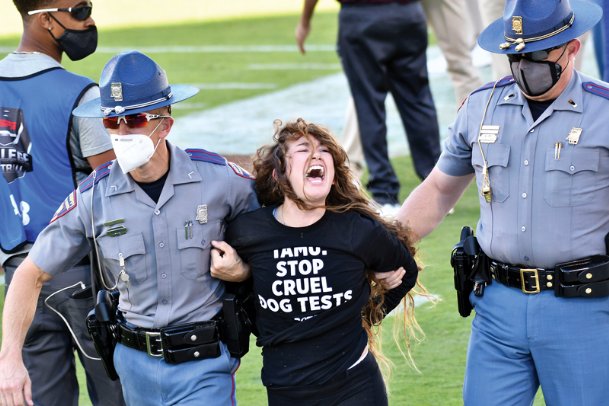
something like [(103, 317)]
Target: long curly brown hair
[(273, 186)]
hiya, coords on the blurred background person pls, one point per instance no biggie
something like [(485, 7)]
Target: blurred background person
[(382, 48)]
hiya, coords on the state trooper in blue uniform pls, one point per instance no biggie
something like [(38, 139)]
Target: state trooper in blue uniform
[(537, 145), (44, 153), (152, 215)]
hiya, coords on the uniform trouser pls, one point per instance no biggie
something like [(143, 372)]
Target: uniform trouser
[(382, 49), (48, 352), (521, 341), (149, 380)]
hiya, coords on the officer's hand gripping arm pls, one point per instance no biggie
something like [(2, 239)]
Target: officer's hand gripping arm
[(226, 264)]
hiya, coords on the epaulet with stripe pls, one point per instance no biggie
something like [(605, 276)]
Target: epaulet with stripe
[(202, 155), (99, 173), (508, 80), (205, 156), (595, 88)]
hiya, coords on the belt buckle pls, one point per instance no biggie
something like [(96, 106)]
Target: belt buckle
[(526, 271), (157, 338)]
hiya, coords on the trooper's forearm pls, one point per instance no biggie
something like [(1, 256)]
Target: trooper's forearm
[(20, 306), (429, 202)]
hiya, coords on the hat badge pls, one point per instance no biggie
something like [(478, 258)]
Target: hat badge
[(116, 91), (517, 25)]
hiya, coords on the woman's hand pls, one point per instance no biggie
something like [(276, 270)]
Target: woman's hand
[(390, 280)]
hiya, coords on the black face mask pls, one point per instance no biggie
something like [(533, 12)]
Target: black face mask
[(77, 44), (535, 78)]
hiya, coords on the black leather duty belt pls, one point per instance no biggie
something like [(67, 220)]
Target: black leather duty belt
[(586, 277), (178, 344)]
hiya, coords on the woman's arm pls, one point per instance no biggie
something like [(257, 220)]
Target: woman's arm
[(407, 282)]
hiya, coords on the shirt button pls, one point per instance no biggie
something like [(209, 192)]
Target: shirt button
[(163, 275), (526, 162), (526, 258), (572, 168), (524, 195), (157, 212), (523, 229), (161, 244), (164, 301)]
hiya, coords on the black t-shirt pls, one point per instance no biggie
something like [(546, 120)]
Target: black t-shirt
[(310, 284)]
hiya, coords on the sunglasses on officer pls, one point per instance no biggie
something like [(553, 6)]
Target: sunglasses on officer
[(80, 13), (138, 120), (535, 56)]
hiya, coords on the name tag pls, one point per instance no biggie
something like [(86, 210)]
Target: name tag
[(488, 134)]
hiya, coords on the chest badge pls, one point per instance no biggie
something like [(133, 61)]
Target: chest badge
[(488, 134), (574, 134), (201, 214)]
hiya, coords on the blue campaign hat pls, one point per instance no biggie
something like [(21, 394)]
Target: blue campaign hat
[(535, 25), (133, 83)]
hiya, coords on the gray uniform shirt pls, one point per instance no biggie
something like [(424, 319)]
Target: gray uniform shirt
[(88, 136), (164, 248), (546, 207)]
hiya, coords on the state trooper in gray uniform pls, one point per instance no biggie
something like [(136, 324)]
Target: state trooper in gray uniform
[(152, 214), (538, 148)]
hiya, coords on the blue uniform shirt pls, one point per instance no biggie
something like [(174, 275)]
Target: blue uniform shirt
[(546, 207), (164, 247)]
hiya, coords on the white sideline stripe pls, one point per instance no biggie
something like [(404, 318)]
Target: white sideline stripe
[(418, 302), (205, 49), (294, 66), (234, 85), (190, 106), (208, 49), (2, 279)]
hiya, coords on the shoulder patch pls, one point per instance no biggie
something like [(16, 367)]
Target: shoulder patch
[(205, 156), (508, 80), (596, 89), (99, 173), (67, 206), (239, 171)]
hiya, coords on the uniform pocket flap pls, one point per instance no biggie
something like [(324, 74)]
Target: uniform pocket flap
[(496, 155), (577, 160), (191, 238)]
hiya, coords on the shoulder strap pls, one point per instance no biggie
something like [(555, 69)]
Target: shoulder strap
[(99, 173), (595, 88)]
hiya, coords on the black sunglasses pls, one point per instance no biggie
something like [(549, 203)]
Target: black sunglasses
[(535, 56), (80, 13)]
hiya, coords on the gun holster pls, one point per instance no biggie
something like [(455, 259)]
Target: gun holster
[(470, 266), (102, 325), (238, 318)]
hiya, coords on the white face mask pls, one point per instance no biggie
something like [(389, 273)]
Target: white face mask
[(133, 150)]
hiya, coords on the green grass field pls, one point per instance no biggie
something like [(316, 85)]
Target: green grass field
[(441, 356)]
